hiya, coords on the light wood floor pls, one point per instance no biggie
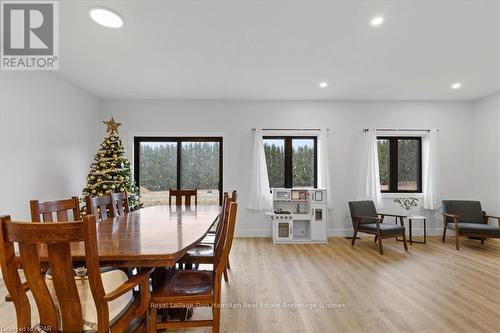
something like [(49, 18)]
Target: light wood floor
[(432, 288)]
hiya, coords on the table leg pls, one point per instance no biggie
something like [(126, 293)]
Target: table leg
[(425, 233), (411, 238)]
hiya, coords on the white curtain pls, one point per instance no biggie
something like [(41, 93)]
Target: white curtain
[(431, 180), (323, 168), (260, 193), (369, 187)]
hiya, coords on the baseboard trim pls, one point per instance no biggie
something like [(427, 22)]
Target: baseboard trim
[(332, 232)]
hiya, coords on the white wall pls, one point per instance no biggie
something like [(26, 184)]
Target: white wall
[(234, 120), (48, 136), (486, 112)]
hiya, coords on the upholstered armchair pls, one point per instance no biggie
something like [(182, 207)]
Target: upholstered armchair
[(366, 219), (467, 218)]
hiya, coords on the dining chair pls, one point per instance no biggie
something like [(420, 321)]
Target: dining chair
[(210, 237), (120, 203), (109, 307), (191, 288), (101, 207), (211, 233), (45, 210), (180, 194), (204, 253)]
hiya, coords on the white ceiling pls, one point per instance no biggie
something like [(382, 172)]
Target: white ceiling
[(282, 49)]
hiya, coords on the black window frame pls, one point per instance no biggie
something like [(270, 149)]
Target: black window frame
[(288, 165), (179, 140), (393, 163)]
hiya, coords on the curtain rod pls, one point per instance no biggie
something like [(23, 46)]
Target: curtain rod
[(399, 130), (290, 129)]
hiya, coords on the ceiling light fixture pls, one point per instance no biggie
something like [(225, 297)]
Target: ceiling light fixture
[(323, 84), (456, 85), (376, 21), (106, 17)]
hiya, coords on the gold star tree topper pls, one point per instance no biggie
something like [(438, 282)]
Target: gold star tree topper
[(112, 126)]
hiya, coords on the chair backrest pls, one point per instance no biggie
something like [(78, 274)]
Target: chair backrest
[(56, 237), (467, 211), (362, 208), (45, 210), (120, 203), (186, 194), (224, 243), (101, 207)]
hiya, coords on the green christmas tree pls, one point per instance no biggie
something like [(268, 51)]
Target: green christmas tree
[(110, 172)]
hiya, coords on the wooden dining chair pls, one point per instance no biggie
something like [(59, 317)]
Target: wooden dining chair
[(57, 237), (204, 253), (120, 203), (44, 211), (180, 194), (101, 207), (188, 288)]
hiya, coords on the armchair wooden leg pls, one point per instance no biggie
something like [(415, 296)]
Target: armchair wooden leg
[(456, 241), (380, 247), (152, 319), (216, 318), (354, 237), (444, 234), (404, 241)]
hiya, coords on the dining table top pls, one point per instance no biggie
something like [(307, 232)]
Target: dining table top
[(150, 237)]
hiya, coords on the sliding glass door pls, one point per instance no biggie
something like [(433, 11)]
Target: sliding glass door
[(164, 163)]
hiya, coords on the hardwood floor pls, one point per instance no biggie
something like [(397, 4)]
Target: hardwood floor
[(432, 288)]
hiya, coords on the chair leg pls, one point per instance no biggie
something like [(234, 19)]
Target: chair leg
[(152, 319), (354, 237), (482, 240), (380, 247), (444, 233), (225, 275), (216, 317), (456, 241), (404, 241)]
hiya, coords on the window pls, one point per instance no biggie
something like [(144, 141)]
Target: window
[(163, 163), (291, 161), (400, 164)]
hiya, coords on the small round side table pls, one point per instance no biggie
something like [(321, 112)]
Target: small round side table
[(421, 218)]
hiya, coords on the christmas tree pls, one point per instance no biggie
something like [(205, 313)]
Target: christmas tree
[(110, 172)]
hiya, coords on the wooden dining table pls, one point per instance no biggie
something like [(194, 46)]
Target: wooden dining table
[(155, 236)]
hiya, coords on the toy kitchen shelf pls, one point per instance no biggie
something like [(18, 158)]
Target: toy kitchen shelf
[(299, 215)]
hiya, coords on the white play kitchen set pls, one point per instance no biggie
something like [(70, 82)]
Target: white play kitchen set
[(299, 215)]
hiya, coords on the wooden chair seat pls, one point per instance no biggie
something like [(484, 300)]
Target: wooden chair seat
[(179, 286), (201, 250)]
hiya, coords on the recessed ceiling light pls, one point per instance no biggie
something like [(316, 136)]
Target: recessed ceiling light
[(456, 85), (106, 17), (376, 21), (323, 84)]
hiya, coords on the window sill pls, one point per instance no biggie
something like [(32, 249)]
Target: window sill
[(418, 195)]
